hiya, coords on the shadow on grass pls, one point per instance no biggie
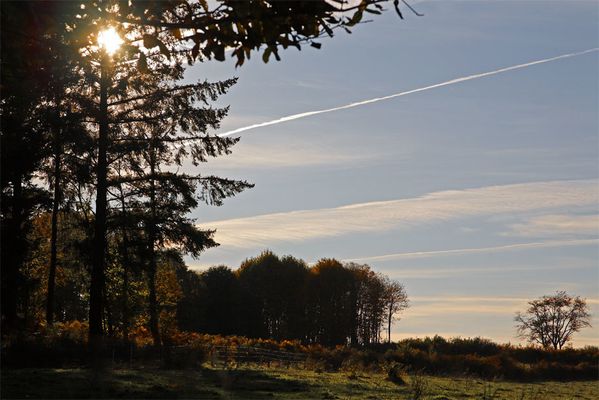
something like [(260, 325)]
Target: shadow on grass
[(87, 384), (33, 383), (252, 382)]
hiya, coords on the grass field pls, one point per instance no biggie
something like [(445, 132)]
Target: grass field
[(269, 383)]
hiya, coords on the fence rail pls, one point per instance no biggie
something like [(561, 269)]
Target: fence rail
[(251, 354), (216, 355)]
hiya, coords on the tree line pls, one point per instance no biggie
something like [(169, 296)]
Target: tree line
[(282, 298), (267, 296)]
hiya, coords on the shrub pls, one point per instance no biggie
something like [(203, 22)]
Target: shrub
[(418, 385), (183, 357), (394, 374), (65, 344)]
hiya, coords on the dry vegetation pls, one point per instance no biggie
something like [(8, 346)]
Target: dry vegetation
[(432, 368), (271, 383)]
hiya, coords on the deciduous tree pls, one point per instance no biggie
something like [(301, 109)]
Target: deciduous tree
[(395, 300), (552, 320)]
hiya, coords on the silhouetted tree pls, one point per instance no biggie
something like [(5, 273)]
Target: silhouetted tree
[(72, 279), (68, 144), (190, 308), (329, 302), (552, 320), (147, 123), (164, 128), (277, 287), (366, 299), (395, 300), (224, 312), (22, 76)]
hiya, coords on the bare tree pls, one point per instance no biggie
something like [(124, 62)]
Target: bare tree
[(396, 300), (552, 320)]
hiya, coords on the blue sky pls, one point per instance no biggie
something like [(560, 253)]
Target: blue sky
[(477, 196)]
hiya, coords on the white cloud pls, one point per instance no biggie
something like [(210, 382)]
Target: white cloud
[(455, 272), (287, 155), (449, 308), (557, 224), (443, 306), (264, 230)]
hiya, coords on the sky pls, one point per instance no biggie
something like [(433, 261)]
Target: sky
[(478, 195)]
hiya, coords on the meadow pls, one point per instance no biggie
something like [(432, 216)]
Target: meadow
[(259, 382), (233, 367)]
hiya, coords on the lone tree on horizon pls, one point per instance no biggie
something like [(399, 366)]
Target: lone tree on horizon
[(552, 320)]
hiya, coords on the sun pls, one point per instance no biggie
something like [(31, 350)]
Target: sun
[(109, 40)]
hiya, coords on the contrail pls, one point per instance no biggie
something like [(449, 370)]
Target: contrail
[(518, 246), (422, 89)]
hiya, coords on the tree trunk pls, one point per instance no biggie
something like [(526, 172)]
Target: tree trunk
[(356, 318), (389, 325), (125, 302), (108, 320), (126, 262), (12, 256), (99, 245), (54, 233), (153, 303)]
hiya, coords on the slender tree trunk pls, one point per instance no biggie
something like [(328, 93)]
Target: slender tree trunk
[(108, 320), (12, 257), (125, 301), (126, 262), (153, 303), (390, 318), (54, 232), (355, 318), (99, 245)]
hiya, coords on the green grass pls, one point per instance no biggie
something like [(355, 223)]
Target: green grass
[(268, 383)]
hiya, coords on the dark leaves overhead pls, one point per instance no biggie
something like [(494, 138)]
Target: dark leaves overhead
[(243, 26)]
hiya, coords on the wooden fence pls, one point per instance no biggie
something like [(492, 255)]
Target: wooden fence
[(253, 355)]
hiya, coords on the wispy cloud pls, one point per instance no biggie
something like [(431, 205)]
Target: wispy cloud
[(469, 299), (557, 224), (405, 93), (264, 230), (455, 272), (424, 309), (288, 155), (429, 306), (449, 308), (478, 250)]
